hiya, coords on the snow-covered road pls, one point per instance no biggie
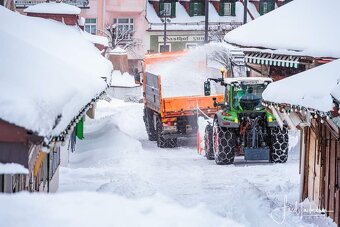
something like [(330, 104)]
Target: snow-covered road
[(116, 177), (117, 158)]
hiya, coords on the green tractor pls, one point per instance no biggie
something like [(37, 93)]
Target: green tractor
[(242, 126)]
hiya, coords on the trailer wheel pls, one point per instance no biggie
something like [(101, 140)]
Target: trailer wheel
[(224, 144), (149, 124), (208, 142), (279, 144), (161, 141)]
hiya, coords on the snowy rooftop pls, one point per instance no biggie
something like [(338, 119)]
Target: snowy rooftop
[(183, 21), (96, 39), (118, 51), (12, 168), (43, 74), (310, 89), (306, 27), (53, 8)]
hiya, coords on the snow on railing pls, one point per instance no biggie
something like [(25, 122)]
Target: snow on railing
[(26, 3), (212, 25)]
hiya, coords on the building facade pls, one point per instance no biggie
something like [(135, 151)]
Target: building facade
[(181, 23)]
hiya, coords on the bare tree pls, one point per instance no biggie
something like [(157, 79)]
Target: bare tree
[(232, 59), (123, 38)]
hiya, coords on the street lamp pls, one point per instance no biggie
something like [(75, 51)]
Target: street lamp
[(165, 20)]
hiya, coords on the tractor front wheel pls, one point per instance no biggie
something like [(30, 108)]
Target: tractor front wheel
[(224, 144), (208, 142), (279, 144)]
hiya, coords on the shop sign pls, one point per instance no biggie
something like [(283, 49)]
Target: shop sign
[(182, 38)]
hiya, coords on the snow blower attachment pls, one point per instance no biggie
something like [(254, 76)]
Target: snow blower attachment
[(243, 126)]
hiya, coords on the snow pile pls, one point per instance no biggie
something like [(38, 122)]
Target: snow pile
[(96, 39), (12, 168), (47, 69), (93, 209), (53, 8), (292, 34), (118, 51), (122, 80), (310, 89), (186, 75), (183, 21)]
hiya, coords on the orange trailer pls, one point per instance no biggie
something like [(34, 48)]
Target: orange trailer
[(168, 118)]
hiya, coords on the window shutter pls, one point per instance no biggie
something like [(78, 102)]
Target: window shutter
[(200, 8), (161, 8), (270, 6), (173, 9), (222, 9), (191, 9), (261, 8), (233, 9)]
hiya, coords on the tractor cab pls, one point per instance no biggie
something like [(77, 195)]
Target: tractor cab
[(246, 95)]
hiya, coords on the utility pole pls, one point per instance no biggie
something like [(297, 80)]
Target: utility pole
[(245, 13), (164, 20), (206, 28), (164, 43)]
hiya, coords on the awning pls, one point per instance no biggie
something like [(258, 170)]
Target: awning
[(275, 60)]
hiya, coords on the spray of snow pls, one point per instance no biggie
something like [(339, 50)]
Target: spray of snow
[(185, 75)]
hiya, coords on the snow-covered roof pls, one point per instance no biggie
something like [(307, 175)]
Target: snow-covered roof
[(96, 39), (307, 27), (118, 51), (309, 89), (122, 80), (53, 8), (12, 168), (183, 21), (47, 69)]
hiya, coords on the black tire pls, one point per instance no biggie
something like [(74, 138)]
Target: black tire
[(208, 142), (279, 144), (224, 144), (161, 141), (149, 124)]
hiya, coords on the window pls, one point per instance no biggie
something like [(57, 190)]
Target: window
[(164, 48), (197, 9), (166, 9), (265, 7), (227, 9), (91, 25), (190, 45), (125, 28)]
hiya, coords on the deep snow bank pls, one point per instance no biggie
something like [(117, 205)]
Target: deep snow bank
[(94, 209)]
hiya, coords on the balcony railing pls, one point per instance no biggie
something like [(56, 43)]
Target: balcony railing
[(27, 3)]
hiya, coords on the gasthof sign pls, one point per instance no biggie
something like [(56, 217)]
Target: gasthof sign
[(181, 38)]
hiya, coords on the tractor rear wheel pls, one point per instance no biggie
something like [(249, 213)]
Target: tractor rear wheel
[(208, 142), (149, 124), (161, 141), (224, 144), (279, 144)]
